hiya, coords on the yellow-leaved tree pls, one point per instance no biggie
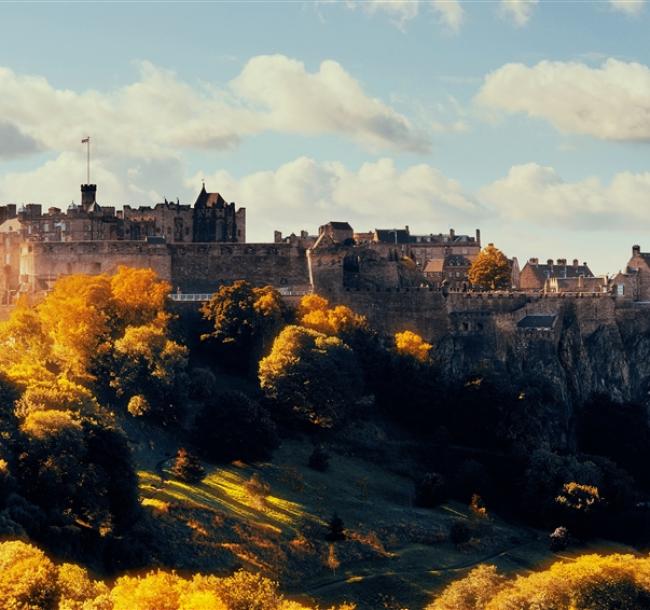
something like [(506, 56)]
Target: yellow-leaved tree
[(591, 582), (490, 270), (408, 343), (310, 374), (315, 312)]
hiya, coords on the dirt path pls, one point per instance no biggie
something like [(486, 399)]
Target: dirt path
[(372, 573)]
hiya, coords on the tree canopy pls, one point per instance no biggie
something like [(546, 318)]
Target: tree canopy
[(312, 375), (490, 269)]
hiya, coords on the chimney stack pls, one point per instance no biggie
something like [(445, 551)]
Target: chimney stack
[(575, 262), (561, 261), (452, 234), (636, 250), (549, 262), (478, 237), (533, 261)]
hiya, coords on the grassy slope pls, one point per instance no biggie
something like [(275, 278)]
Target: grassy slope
[(396, 556)]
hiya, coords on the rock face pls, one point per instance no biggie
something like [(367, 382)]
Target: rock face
[(575, 346)]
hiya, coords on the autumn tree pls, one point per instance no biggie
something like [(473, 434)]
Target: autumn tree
[(312, 376), (472, 592), (28, 579), (411, 344), (240, 314), (187, 467), (490, 270), (147, 363)]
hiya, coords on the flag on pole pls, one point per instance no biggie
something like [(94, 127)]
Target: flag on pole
[(85, 140)]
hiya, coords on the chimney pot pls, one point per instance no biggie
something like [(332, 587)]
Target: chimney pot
[(549, 262)]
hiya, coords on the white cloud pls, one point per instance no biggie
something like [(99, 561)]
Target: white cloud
[(629, 7), (399, 11), (120, 181), (538, 194), (159, 114), (450, 13), (611, 102), (305, 193), (518, 12), (327, 101)]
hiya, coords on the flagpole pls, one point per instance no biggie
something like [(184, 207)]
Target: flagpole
[(86, 141)]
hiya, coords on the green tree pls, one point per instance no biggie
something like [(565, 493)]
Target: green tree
[(490, 269), (313, 376), (240, 315)]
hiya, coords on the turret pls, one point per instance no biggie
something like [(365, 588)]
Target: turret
[(88, 196)]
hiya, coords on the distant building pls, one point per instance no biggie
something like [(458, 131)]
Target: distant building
[(534, 275), (452, 269), (634, 281)]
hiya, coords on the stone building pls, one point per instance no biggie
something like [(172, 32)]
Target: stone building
[(533, 277), (452, 269), (634, 281)]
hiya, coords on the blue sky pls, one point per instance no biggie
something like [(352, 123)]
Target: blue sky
[(530, 120)]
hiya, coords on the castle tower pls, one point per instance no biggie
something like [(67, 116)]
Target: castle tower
[(88, 196)]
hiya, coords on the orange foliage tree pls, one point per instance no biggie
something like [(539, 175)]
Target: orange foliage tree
[(592, 582), (490, 269), (408, 343), (312, 375)]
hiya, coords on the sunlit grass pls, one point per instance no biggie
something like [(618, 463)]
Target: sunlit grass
[(224, 489)]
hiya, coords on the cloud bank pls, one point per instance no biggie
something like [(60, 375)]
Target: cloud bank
[(611, 102), (159, 113)]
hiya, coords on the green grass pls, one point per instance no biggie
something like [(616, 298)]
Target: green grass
[(396, 555)]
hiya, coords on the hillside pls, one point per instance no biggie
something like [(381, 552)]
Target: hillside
[(395, 556)]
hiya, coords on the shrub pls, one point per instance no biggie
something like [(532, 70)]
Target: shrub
[(431, 490), (559, 539), (472, 592), (335, 529), (28, 579), (187, 467)]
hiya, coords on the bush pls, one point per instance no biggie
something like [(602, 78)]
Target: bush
[(231, 426), (431, 490), (187, 467), (559, 539), (28, 579), (319, 459), (335, 529)]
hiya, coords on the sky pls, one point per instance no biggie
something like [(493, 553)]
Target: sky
[(527, 119)]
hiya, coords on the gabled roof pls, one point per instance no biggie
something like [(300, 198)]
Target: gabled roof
[(209, 200), (393, 236), (434, 266), (12, 225), (544, 271), (339, 226)]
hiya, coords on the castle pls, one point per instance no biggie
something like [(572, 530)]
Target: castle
[(198, 247)]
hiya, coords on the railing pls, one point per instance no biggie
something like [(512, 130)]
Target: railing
[(189, 297), (198, 297)]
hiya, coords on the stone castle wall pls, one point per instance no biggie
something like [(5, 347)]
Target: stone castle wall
[(202, 267), (190, 267)]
